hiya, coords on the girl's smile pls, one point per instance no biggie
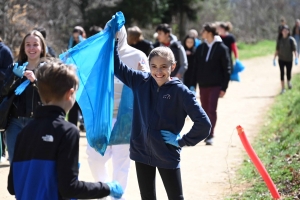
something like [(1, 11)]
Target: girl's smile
[(161, 69)]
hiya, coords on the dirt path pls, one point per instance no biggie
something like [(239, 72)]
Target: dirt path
[(204, 168)]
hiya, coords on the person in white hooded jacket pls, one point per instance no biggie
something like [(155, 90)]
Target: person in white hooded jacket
[(212, 72), (118, 150)]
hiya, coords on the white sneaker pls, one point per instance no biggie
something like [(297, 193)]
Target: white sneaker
[(3, 159), (209, 141), (282, 91)]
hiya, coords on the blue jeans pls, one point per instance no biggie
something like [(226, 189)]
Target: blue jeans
[(14, 128)]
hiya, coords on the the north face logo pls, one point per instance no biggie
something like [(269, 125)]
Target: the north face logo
[(48, 138), (167, 96)]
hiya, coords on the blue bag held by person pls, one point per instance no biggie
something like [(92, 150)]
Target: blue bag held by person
[(122, 127), (94, 59), (238, 67)]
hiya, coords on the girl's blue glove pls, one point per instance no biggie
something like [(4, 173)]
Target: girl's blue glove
[(19, 70), (274, 63), (22, 87), (296, 61), (193, 90), (170, 138), (116, 190)]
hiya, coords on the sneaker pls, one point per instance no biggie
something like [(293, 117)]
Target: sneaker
[(82, 128), (282, 91), (290, 85), (3, 159), (209, 141)]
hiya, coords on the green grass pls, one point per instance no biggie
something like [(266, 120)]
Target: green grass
[(262, 48), (278, 146)]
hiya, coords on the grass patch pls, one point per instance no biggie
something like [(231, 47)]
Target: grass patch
[(262, 48), (278, 147)]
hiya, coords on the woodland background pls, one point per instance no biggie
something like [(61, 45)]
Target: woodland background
[(253, 20)]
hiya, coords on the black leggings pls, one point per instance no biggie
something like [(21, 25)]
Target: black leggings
[(146, 178), (73, 114), (3, 144), (288, 65)]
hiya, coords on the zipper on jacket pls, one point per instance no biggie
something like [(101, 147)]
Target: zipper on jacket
[(212, 51), (31, 114), (150, 146)]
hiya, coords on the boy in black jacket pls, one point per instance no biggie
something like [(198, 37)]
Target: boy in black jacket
[(45, 163), (212, 73)]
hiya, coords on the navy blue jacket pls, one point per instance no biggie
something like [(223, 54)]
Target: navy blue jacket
[(6, 59), (45, 163), (160, 108)]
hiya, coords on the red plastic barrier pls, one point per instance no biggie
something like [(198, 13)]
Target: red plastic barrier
[(258, 164)]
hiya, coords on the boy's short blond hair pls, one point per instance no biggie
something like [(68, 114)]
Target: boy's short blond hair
[(54, 79)]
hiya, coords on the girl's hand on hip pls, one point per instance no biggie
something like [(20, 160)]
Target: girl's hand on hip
[(30, 75)]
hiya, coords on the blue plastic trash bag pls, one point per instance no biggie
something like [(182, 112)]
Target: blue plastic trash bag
[(123, 124), (94, 58), (238, 67)]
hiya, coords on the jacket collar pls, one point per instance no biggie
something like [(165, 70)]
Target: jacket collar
[(50, 111), (173, 81), (217, 38)]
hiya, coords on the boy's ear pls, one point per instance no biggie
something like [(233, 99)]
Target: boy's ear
[(173, 67), (69, 94)]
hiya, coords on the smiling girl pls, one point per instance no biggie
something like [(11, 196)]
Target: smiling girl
[(32, 49), (161, 104)]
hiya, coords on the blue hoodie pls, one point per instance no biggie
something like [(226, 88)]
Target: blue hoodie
[(160, 108)]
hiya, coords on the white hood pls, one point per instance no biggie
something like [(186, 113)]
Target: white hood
[(217, 38)]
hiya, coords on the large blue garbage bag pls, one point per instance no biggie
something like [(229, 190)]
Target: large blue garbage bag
[(94, 59), (122, 128), (238, 67)]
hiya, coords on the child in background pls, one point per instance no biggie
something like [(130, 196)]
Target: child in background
[(75, 114), (161, 104), (228, 39), (212, 73), (45, 164), (189, 47), (286, 46)]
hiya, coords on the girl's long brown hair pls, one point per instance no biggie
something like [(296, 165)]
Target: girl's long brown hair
[(22, 57)]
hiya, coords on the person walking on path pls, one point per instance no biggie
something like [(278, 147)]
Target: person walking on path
[(158, 117), (189, 46), (285, 48), (194, 34), (296, 34), (281, 25), (228, 39), (75, 113), (32, 49), (118, 149), (49, 50), (166, 39), (6, 59), (212, 72), (45, 164), (137, 40)]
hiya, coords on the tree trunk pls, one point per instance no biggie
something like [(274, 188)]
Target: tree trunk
[(182, 24)]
